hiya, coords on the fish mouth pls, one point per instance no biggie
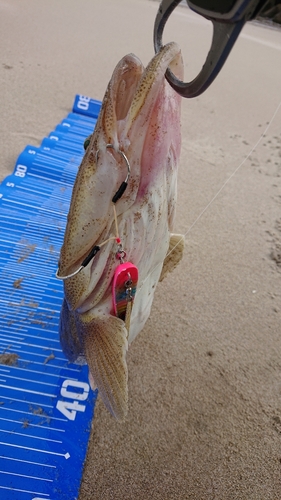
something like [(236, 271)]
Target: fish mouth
[(132, 92), (123, 85)]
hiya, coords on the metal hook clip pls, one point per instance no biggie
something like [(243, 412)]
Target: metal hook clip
[(110, 146), (120, 254), (224, 37), (124, 184)]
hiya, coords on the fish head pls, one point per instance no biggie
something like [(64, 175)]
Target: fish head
[(139, 116)]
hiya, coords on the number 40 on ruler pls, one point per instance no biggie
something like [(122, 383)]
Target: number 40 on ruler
[(70, 408)]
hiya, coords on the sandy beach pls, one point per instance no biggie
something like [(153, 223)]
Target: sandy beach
[(204, 416)]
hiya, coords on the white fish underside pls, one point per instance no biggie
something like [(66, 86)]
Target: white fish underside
[(140, 116)]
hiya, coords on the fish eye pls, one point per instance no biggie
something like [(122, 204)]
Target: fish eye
[(87, 142)]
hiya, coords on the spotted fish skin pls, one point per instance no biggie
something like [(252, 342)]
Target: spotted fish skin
[(140, 115)]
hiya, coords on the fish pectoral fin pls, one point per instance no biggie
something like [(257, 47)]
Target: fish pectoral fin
[(174, 254), (105, 345)]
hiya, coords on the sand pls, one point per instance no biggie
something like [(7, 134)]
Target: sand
[(205, 374)]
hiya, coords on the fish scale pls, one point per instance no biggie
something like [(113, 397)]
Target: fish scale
[(46, 405)]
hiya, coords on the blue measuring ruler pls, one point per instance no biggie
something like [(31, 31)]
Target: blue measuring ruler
[(46, 405)]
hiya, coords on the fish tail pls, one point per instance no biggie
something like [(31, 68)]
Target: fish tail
[(105, 346)]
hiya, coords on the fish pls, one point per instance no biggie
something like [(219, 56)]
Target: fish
[(132, 157)]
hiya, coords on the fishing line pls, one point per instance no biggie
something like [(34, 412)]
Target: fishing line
[(232, 175), (221, 189)]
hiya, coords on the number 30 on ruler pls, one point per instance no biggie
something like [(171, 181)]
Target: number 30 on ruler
[(70, 408)]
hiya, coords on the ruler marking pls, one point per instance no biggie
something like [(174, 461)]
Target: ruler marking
[(40, 308), (23, 401), (33, 345), (32, 336), (42, 415), (29, 391), (40, 373), (47, 280), (76, 370), (49, 428), (28, 477), (39, 355), (27, 462), (28, 380), (64, 455), (25, 491), (30, 436), (40, 209)]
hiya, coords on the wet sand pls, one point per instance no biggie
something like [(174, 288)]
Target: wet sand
[(205, 374)]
